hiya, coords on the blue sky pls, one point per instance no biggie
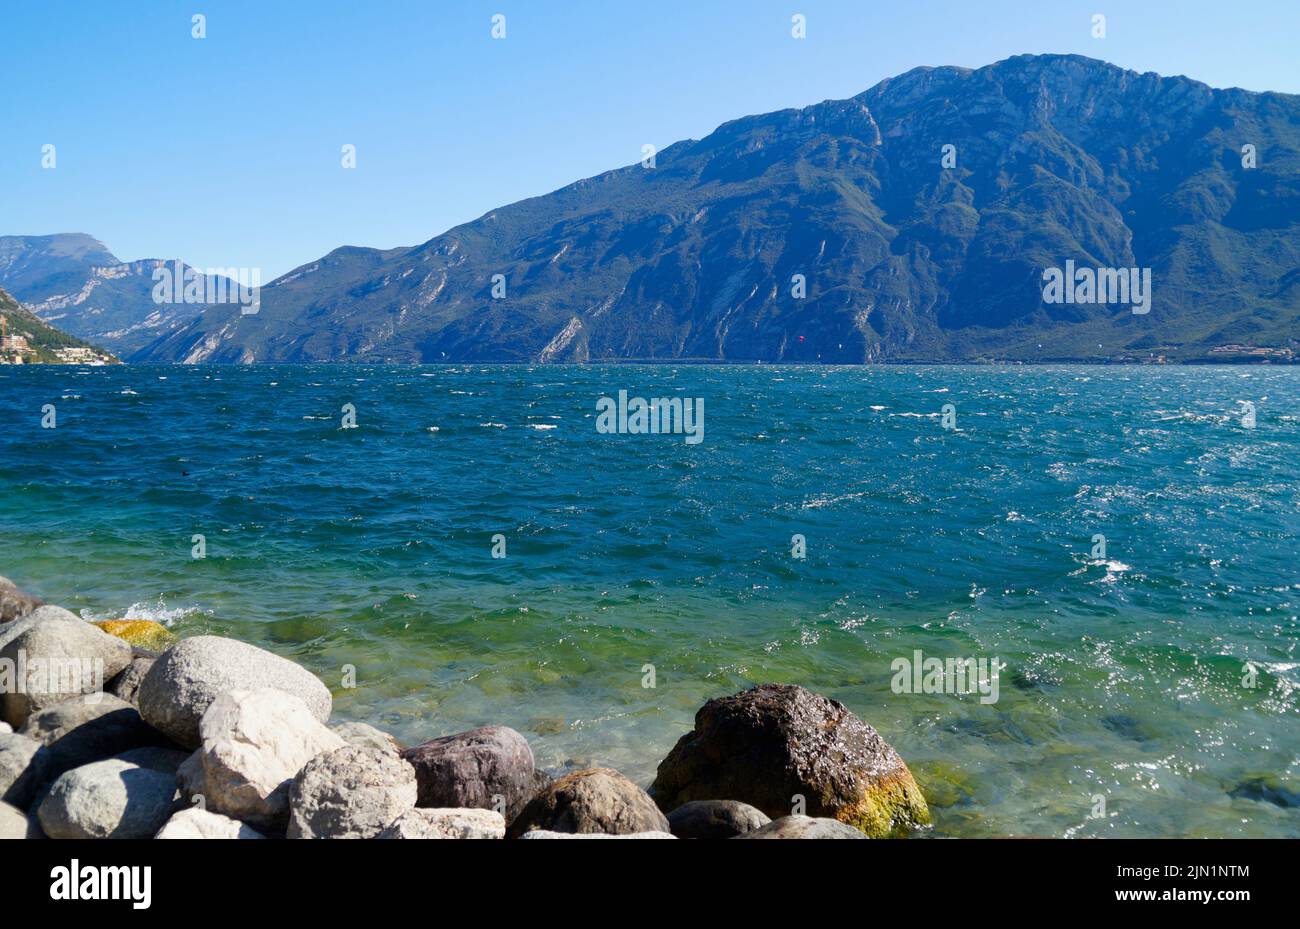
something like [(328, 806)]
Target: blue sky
[(225, 151)]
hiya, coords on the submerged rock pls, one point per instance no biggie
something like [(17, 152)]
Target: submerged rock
[(804, 827), (57, 656), (253, 744), (424, 823), (777, 742), (595, 800), (487, 768), (196, 823), (364, 735), (189, 676), (715, 819), (350, 793)]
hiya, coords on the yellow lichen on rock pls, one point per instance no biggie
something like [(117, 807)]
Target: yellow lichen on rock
[(142, 633)]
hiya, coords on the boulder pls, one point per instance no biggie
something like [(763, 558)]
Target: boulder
[(364, 735), (595, 800), (89, 728), (425, 823), (350, 793), (805, 827), (22, 769), (54, 658), (139, 633), (188, 677), (127, 684), (715, 819), (15, 824), (546, 834), (117, 798), (254, 742), (487, 768), (196, 823), (776, 742), (6, 729), (14, 603)]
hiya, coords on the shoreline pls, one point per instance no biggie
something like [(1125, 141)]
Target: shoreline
[(216, 738)]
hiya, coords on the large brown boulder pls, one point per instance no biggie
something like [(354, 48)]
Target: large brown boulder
[(776, 743), (595, 800), (487, 768)]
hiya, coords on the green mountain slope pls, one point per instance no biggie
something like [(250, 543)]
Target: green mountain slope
[(29, 340), (1057, 158)]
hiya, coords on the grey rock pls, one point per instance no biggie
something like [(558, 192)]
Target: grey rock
[(127, 684), (189, 778), (189, 676), (804, 827), (546, 834), (595, 800), (202, 824), (61, 656), (15, 824), (715, 819), (350, 793), (364, 735), (253, 744), (110, 799), (14, 603), (85, 729), (486, 768), (23, 764), (425, 823), (5, 729)]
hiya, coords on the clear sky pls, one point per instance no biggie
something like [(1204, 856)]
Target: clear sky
[(225, 151)]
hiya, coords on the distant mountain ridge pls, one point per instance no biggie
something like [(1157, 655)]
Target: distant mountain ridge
[(74, 281), (902, 259)]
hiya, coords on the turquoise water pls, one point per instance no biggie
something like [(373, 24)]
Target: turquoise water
[(371, 547)]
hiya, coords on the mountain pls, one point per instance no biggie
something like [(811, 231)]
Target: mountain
[(74, 280), (1058, 158), (26, 339)]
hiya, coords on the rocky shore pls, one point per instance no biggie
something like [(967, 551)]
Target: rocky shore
[(119, 730)]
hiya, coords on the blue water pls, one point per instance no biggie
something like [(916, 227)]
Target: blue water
[(371, 547)]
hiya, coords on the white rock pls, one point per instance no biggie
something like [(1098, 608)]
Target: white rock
[(253, 744), (546, 834), (447, 824), (203, 824)]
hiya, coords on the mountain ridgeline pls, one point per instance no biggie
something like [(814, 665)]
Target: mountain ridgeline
[(912, 223), (74, 281)]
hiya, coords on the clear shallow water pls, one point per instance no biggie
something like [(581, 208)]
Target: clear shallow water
[(371, 547)]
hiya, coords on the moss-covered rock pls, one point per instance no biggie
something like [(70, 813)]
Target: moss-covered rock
[(141, 633), (784, 749)]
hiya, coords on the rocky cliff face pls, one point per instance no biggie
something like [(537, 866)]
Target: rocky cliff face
[(919, 217), (73, 281)]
